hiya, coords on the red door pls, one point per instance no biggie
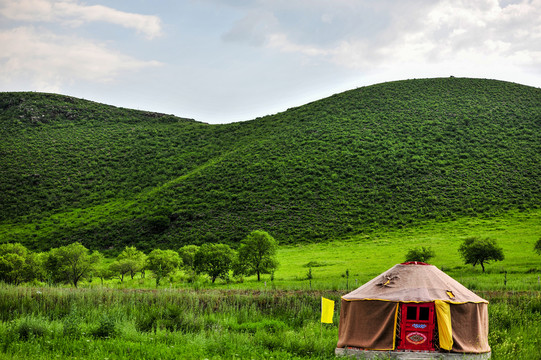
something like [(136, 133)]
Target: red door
[(417, 326)]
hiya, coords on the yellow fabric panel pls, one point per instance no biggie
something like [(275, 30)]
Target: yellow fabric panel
[(443, 314), (327, 310), (395, 322)]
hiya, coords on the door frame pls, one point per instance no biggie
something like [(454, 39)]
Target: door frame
[(417, 323)]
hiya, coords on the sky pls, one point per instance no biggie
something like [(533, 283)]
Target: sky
[(221, 61)]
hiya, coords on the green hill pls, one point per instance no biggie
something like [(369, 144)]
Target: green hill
[(386, 155)]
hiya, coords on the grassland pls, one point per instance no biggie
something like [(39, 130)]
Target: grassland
[(213, 324), (368, 255), (271, 319)]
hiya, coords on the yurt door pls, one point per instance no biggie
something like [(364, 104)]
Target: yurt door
[(417, 326)]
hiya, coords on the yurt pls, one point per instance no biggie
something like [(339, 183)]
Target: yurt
[(413, 309)]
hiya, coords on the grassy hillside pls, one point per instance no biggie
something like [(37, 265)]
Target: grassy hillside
[(386, 155)]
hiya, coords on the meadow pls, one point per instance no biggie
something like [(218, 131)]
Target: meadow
[(277, 317), (210, 324)]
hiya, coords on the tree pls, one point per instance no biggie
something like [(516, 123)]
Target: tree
[(131, 261), (162, 263), (101, 269), (119, 269), (480, 251), (187, 255), (257, 253), (215, 260), (17, 264), (537, 246), (422, 254), (71, 263)]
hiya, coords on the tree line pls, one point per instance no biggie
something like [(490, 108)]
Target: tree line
[(256, 255), (70, 264)]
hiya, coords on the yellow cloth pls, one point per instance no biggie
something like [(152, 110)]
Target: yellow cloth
[(443, 314), (327, 310)]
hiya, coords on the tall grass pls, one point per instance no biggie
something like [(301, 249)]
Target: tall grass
[(106, 323), (44, 323), (515, 324)]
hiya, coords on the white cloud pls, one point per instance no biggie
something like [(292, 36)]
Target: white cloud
[(369, 35), (472, 30), (74, 13), (47, 61), (479, 37)]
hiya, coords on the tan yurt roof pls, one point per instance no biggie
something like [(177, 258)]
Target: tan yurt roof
[(414, 282)]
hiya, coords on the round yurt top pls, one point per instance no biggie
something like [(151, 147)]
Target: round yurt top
[(414, 282)]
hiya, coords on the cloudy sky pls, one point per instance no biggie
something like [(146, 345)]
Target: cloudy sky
[(221, 61)]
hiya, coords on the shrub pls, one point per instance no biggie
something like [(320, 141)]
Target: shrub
[(422, 254), (107, 327), (30, 327), (147, 322)]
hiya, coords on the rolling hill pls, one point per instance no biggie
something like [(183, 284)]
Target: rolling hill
[(386, 155)]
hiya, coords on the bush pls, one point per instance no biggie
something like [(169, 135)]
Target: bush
[(147, 322), (422, 254), (158, 224), (30, 327), (107, 328)]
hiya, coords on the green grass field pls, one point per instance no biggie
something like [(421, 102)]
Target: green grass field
[(366, 256), (52, 323), (276, 318)]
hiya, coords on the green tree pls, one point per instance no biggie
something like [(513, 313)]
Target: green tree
[(537, 246), (475, 250), (71, 263), (187, 255), (215, 260), (257, 253), (132, 260), (162, 263), (422, 254), (101, 269), (119, 269), (17, 264)]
